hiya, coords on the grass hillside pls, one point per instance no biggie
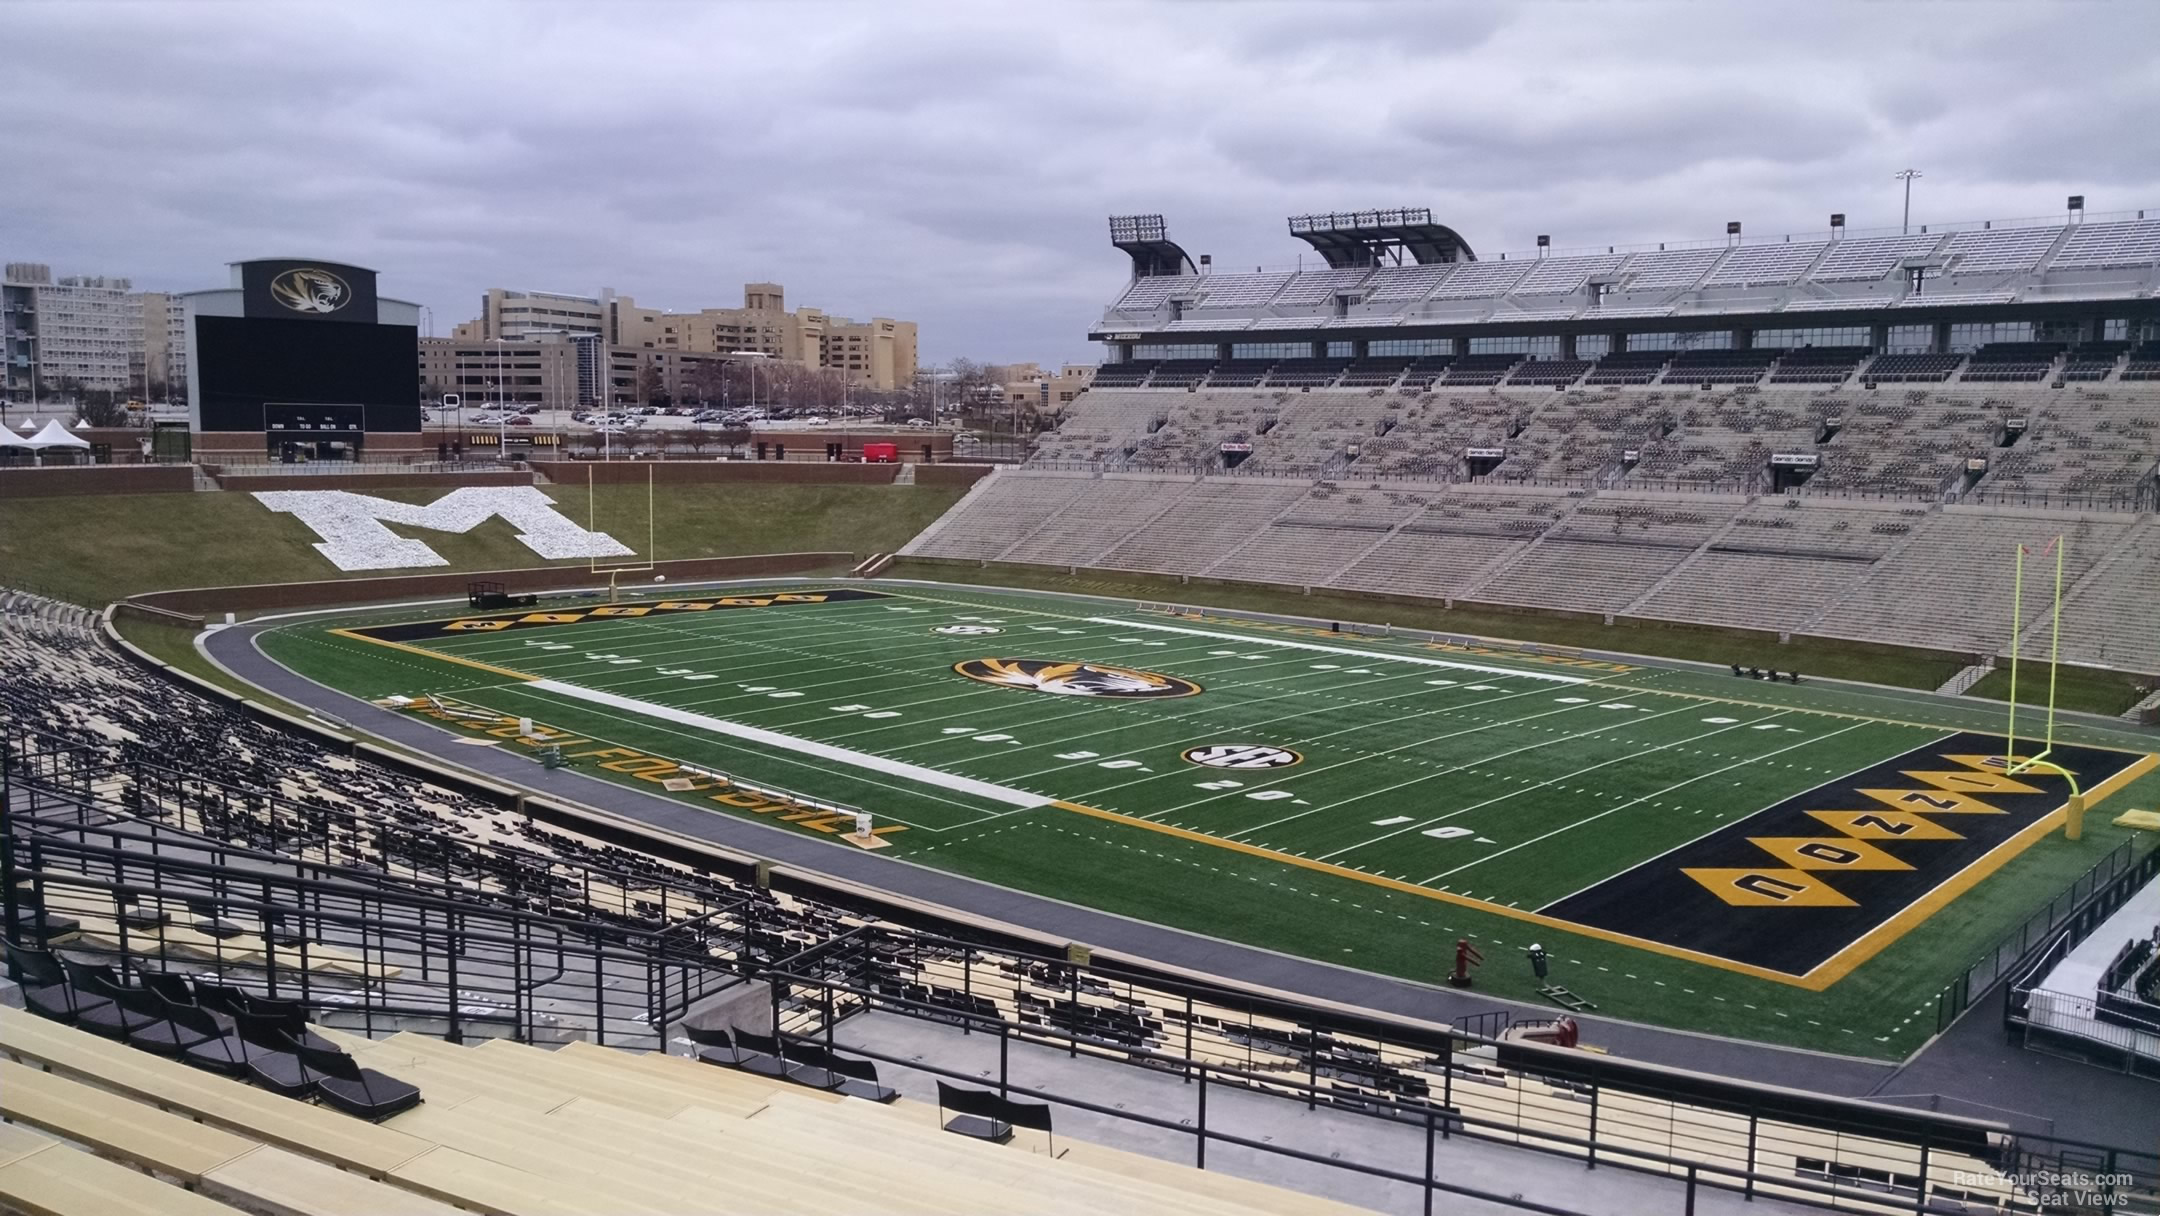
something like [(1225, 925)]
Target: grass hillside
[(92, 550)]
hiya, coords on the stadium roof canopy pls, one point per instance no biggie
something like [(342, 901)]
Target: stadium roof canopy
[(1374, 238), (1147, 240)]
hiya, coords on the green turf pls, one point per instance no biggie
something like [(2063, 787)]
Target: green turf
[(1535, 793), (1835, 659), (2096, 692), (92, 550)]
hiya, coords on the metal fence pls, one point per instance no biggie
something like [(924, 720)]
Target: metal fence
[(1699, 1131), (2081, 903), (367, 955)]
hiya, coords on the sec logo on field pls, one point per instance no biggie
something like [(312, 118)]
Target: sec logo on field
[(1241, 755), (967, 631)]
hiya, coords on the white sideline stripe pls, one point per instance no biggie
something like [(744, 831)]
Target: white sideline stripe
[(1372, 655), (773, 738)]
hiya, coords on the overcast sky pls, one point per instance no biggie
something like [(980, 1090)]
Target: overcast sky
[(953, 163)]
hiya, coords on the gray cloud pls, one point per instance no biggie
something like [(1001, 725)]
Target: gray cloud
[(953, 162)]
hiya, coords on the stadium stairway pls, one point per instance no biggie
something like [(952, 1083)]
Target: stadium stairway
[(97, 1128), (983, 488), (1724, 530)]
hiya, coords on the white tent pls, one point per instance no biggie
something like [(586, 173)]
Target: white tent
[(56, 436), (9, 439)]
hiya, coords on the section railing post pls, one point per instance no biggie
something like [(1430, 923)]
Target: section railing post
[(450, 975), (1200, 1124), (1754, 1125), (1428, 1187)]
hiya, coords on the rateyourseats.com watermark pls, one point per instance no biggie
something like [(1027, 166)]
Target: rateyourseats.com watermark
[(2056, 1188)]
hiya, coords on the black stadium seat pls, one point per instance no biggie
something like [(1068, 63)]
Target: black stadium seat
[(342, 1083), (819, 1068), (271, 1063), (982, 1115), (46, 988), (758, 1053), (714, 1045)]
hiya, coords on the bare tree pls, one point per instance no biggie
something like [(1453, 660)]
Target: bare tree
[(101, 409), (708, 381), (652, 385), (696, 439)]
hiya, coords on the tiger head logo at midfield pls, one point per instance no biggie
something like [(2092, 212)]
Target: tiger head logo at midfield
[(310, 289), (1075, 679)]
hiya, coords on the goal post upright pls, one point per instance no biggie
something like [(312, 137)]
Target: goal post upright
[(592, 525), (2074, 808)]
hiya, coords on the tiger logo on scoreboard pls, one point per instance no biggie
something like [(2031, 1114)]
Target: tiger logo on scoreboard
[(1072, 679)]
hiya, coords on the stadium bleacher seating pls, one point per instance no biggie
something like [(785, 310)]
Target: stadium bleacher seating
[(1240, 290), (1913, 368), (1239, 373), (1549, 372), (1124, 375), (1476, 280), (1818, 365), (1181, 373), (2142, 362), (1665, 271), (1562, 276), (1994, 251), (1320, 286), (1765, 265), (2109, 245), (2009, 362), (2089, 361), (1306, 373), (1720, 366), (1629, 367), (1153, 291), (1478, 371), (1864, 258), (1400, 283), (1425, 370), (1375, 372)]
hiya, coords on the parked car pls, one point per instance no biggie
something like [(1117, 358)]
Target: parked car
[(521, 420)]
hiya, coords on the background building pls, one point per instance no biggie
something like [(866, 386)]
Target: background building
[(151, 363), (877, 354), (69, 335), (561, 371), (1027, 385)]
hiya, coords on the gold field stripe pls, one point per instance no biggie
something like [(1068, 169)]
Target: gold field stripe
[(433, 654)]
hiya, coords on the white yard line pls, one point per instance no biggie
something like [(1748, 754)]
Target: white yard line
[(1512, 794), (1576, 737), (1635, 801), (1441, 711), (774, 739), (1377, 656), (1714, 830)]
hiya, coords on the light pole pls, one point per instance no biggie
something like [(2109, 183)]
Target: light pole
[(752, 357), (1906, 176)]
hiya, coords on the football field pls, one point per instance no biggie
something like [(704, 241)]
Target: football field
[(1793, 864)]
